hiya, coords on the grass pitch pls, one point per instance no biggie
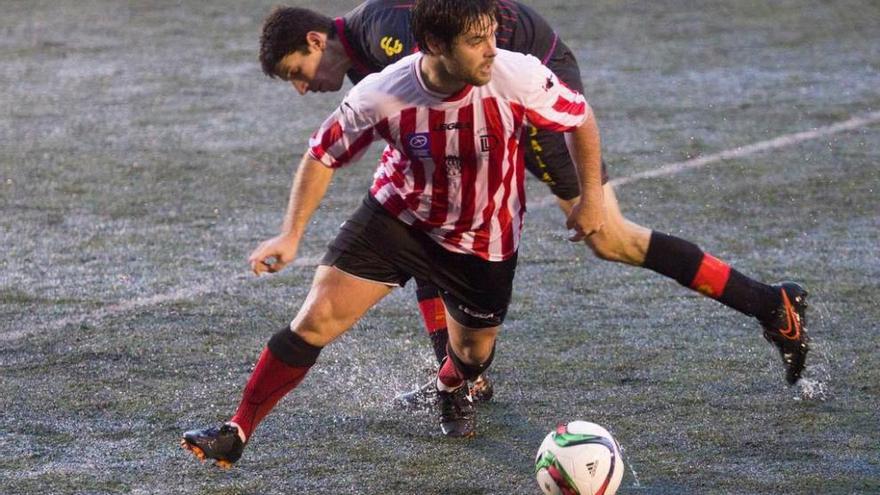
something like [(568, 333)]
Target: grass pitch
[(144, 154)]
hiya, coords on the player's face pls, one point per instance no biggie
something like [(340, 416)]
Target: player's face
[(312, 71), (471, 55)]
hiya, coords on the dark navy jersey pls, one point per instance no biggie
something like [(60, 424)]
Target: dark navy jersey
[(377, 33)]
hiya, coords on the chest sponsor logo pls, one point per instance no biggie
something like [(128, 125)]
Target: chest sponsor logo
[(418, 144), (391, 45), (452, 126)]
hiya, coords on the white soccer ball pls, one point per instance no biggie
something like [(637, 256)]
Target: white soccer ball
[(579, 458)]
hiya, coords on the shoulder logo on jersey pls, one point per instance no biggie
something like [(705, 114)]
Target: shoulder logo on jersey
[(548, 84), (418, 144), (391, 45)]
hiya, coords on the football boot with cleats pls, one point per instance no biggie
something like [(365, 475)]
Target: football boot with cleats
[(787, 329), (458, 416), (482, 389), (223, 444)]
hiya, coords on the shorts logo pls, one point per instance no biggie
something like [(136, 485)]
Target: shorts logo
[(391, 45), (418, 145), (476, 314)]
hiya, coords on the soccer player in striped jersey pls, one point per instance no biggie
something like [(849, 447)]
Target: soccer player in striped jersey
[(315, 53), (446, 205)]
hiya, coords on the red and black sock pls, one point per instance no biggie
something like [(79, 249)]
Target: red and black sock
[(282, 366), (453, 372), (449, 375), (434, 317), (686, 263)]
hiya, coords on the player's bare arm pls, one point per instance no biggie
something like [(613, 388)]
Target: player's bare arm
[(309, 186), (587, 216)]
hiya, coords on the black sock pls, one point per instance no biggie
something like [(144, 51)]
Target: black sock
[(686, 263)]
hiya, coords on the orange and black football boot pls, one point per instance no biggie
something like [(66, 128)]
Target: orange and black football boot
[(482, 389), (787, 329), (221, 444)]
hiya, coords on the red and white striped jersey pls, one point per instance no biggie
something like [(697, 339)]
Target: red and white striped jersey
[(453, 167)]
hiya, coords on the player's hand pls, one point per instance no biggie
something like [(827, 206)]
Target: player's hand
[(585, 219), (273, 254)]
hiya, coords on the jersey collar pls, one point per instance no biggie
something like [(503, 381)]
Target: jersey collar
[(356, 62)]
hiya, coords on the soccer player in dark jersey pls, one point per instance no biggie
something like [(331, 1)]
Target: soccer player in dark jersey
[(447, 204), (315, 53)]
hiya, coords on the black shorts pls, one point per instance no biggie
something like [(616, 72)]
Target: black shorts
[(547, 156), (375, 246)]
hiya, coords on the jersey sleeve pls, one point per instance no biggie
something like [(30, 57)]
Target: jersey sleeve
[(548, 103), (346, 134)]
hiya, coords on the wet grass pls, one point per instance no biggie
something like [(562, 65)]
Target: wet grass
[(144, 154)]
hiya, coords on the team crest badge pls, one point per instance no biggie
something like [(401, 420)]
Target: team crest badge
[(453, 166)]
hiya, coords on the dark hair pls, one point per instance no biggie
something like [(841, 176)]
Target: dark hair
[(284, 31), (446, 19)]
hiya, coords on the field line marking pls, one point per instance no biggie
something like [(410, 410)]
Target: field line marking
[(738, 152), (150, 301), (663, 171), (751, 149)]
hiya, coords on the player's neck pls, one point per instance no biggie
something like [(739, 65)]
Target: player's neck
[(336, 56), (437, 78)]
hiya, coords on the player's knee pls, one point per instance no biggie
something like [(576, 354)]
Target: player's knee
[(468, 363)]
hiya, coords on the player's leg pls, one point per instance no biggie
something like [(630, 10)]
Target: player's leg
[(433, 314), (336, 300), (476, 294), (779, 308), (624, 241), (620, 240), (355, 273), (469, 354), (434, 320), (334, 303)]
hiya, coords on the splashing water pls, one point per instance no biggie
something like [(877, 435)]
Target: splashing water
[(812, 390), (819, 364)]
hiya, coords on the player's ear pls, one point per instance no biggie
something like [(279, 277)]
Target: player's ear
[(315, 40)]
